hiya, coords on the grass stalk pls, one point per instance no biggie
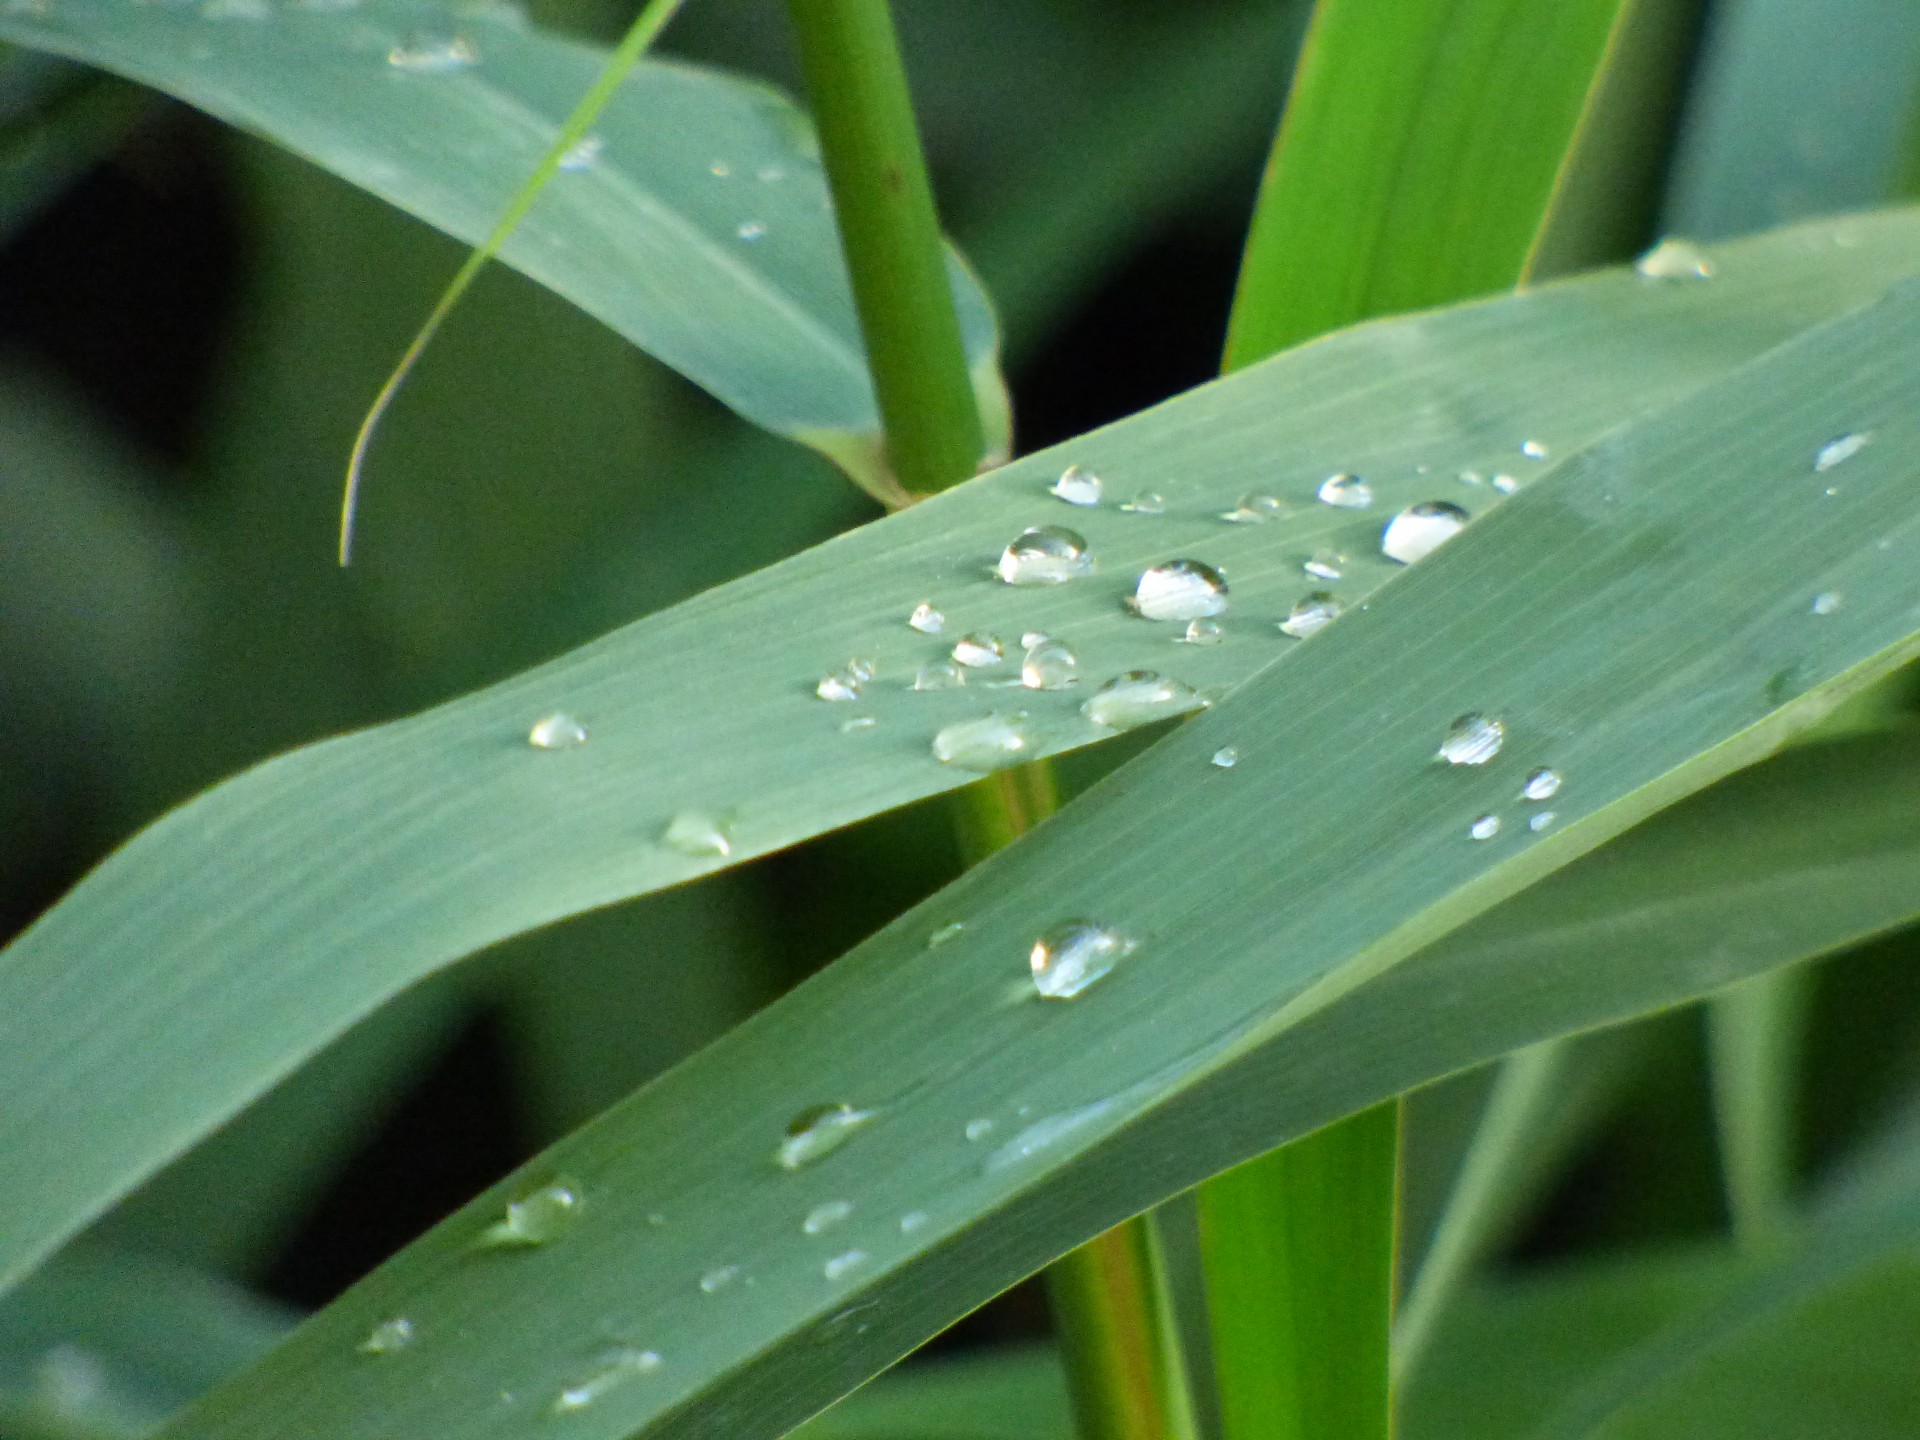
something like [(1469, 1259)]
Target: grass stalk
[(1754, 1033)]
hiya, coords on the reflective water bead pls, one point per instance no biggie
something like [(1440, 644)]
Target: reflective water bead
[(913, 1220), (615, 1368), (1485, 828), (843, 1264), (1674, 259), (858, 723), (1325, 565), (979, 652), (1049, 665), (388, 1336), (1138, 697), (818, 1132), (1031, 638), (1225, 758), (1541, 821), (1045, 555), (984, 744), (1255, 509), (1200, 632), (841, 686), (940, 675), (1542, 784), (770, 174), (1472, 477), (825, 1217), (1347, 492), (719, 169), (1310, 615), (1147, 502), (558, 731), (1417, 531), (1077, 486), (1826, 602), (750, 230), (979, 1129), (421, 54), (1505, 484), (1839, 451), (945, 933), (1071, 957), (582, 154), (718, 1278), (1179, 590), (1473, 739), (693, 833), (926, 619), (1533, 450), (535, 1219)]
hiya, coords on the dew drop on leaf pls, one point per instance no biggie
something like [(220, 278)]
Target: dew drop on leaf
[(1473, 739), (1073, 956), (1505, 484), (1840, 450), (926, 619), (1345, 492), (537, 1218), (558, 731), (422, 53), (582, 154), (983, 744), (817, 1132), (1534, 450), (940, 675), (751, 230), (1077, 486), (1137, 697), (1179, 590), (718, 1278), (1417, 531), (979, 652), (1049, 665), (913, 1220), (979, 1129), (951, 930), (388, 1337), (1542, 784), (1147, 502), (824, 1217), (1045, 555), (857, 724), (844, 1264), (613, 1369), (1540, 821), (695, 833), (1674, 259), (1225, 758), (1485, 828), (1200, 632), (1826, 602), (1310, 614), (1325, 564), (1255, 509)]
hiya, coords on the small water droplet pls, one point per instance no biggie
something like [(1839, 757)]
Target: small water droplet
[(1534, 450), (940, 675), (1674, 259), (818, 1132), (841, 686), (979, 652), (1147, 502), (858, 723), (1137, 697), (1071, 957), (751, 230), (984, 744), (1505, 484), (1310, 614), (558, 731), (945, 933), (1839, 451), (1200, 632), (613, 1369), (583, 154), (537, 1218), (1045, 555), (926, 619), (1077, 486), (1473, 739), (1179, 590), (1417, 531), (913, 1220), (979, 1129), (1049, 665), (693, 833), (1045, 1133), (388, 1336), (1485, 828), (1540, 821), (1542, 784), (1826, 602), (1255, 509), (428, 54), (718, 1278), (843, 1264), (1325, 564), (1226, 757), (719, 169), (770, 174), (1347, 492), (825, 1217), (1472, 477)]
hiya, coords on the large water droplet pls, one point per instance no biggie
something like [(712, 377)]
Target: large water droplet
[(1473, 739), (843, 1264), (979, 652), (818, 1132), (583, 154), (1542, 784), (535, 1219), (1255, 509), (1310, 615), (1179, 590), (1049, 665), (1077, 486), (1417, 531), (1225, 758), (1674, 259), (751, 230), (718, 1278), (984, 744), (824, 1217), (1325, 564), (613, 1369), (428, 54), (1147, 502), (1071, 957), (1045, 555), (388, 1337), (1200, 632), (926, 619), (1346, 492), (558, 731), (692, 832), (1826, 602), (940, 675), (1136, 698), (1840, 450)]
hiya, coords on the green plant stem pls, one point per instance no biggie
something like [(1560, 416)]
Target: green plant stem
[(1754, 1033), (858, 90)]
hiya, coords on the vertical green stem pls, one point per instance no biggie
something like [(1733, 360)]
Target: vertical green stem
[(1753, 1037)]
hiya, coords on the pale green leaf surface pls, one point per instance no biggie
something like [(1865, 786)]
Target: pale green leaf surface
[(241, 932), (1643, 632), (646, 238)]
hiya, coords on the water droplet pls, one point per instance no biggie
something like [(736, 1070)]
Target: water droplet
[(1485, 828), (1077, 486), (1472, 477), (1542, 784), (719, 169), (1839, 451), (1674, 259), (1045, 555), (693, 833), (979, 1129), (535, 1219), (913, 1220), (1200, 632), (926, 619), (983, 744), (843, 1264), (1226, 757), (940, 675), (1505, 484), (945, 933), (583, 154), (1310, 615), (858, 723), (818, 1132), (842, 685), (1071, 957), (1049, 665), (825, 1217), (1147, 502), (1179, 590), (558, 731), (1138, 697), (1347, 492), (1417, 531), (425, 54), (1045, 1133), (1255, 510), (1540, 821), (751, 230), (388, 1336), (1473, 739), (613, 1369), (1534, 450), (1325, 565), (979, 652), (1826, 602), (718, 1278), (770, 174)]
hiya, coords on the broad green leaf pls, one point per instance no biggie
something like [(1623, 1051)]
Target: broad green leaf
[(699, 228), (280, 907), (1640, 621)]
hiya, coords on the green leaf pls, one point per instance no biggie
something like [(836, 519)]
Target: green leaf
[(647, 224), (1001, 1395), (280, 907), (1640, 621)]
